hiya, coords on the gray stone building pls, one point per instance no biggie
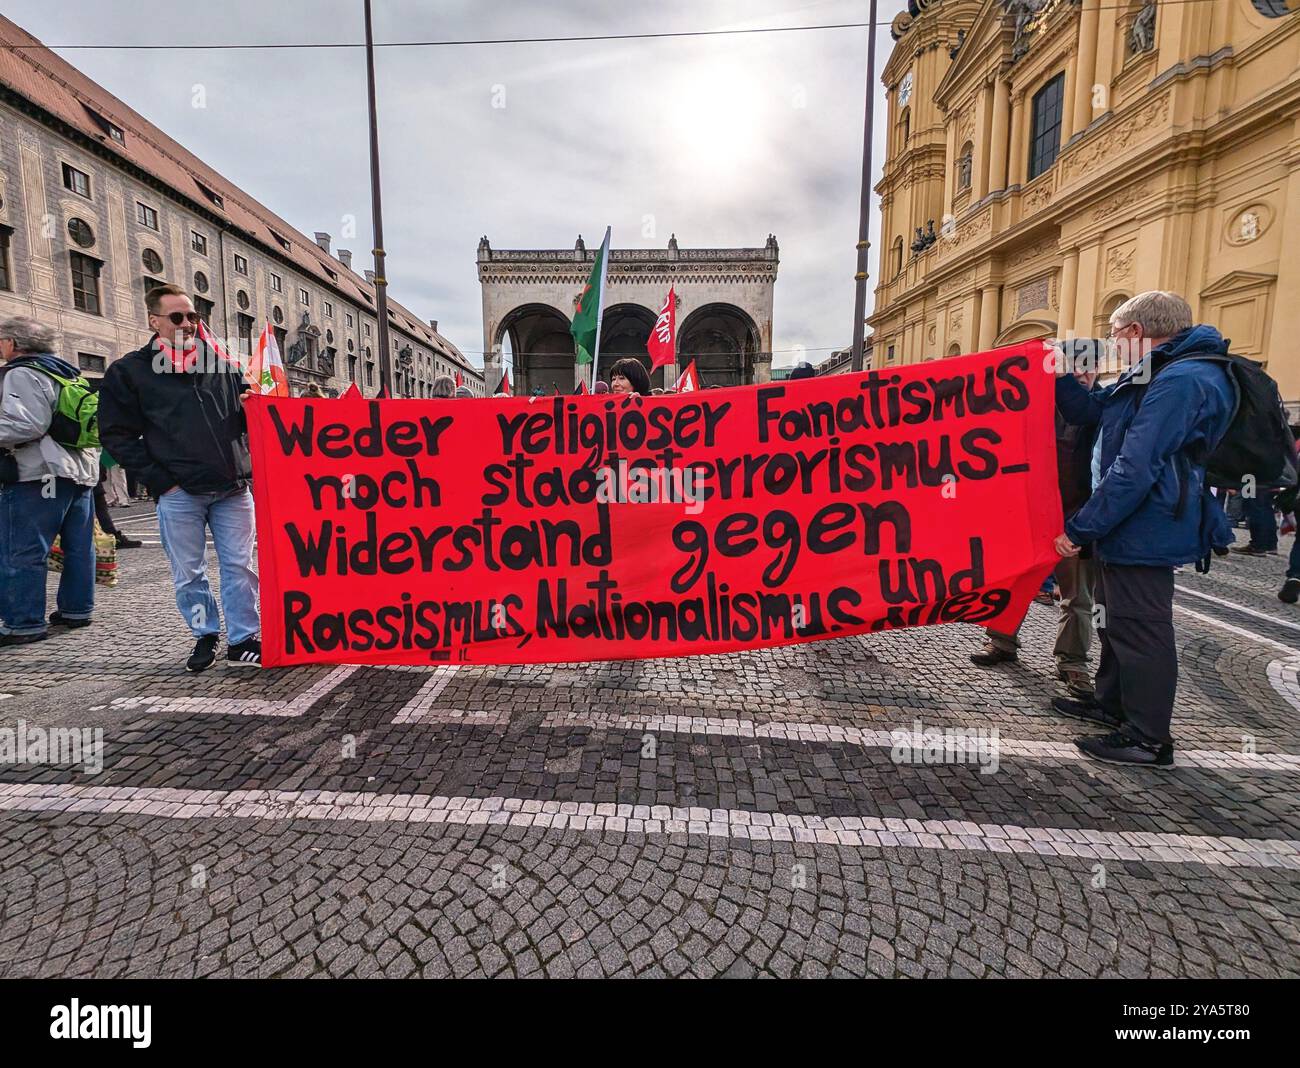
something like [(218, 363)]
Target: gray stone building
[(97, 205), (724, 310)]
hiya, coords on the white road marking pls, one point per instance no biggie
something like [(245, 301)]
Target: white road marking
[(1239, 631), (239, 706), (1282, 677), (419, 709), (851, 831), (827, 734), (1240, 608)]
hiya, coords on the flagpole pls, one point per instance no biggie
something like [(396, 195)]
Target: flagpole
[(376, 210), (864, 208), (600, 304)]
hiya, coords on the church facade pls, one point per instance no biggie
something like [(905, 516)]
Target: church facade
[(1048, 159)]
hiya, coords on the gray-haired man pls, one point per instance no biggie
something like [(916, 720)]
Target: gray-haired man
[(45, 491)]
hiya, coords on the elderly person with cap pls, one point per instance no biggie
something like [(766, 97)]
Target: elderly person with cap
[(46, 490)]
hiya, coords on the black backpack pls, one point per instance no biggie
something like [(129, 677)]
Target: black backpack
[(1258, 442)]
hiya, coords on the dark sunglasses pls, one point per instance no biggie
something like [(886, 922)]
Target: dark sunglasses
[(182, 317)]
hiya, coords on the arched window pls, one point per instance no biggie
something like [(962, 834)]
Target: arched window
[(963, 165), (904, 127), (896, 255)]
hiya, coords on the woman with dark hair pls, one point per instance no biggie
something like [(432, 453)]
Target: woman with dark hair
[(629, 375)]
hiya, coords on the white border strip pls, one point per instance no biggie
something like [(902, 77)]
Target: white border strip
[(236, 706), (835, 735), (852, 831), (1240, 608)]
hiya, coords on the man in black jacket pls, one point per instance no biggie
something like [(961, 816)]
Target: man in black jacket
[(172, 413)]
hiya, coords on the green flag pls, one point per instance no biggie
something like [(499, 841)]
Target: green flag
[(591, 303)]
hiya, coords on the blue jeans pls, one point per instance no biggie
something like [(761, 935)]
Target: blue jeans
[(183, 519), (1260, 520), (31, 516)]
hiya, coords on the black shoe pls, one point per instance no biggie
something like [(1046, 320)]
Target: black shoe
[(123, 542), (57, 620), (1088, 710), (204, 655), (23, 639), (247, 653), (1290, 591), (1122, 748), (991, 654), (1250, 550)]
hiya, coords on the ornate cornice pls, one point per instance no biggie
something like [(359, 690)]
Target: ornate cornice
[(576, 274)]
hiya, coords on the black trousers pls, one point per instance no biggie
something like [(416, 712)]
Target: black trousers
[(101, 510), (1138, 674)]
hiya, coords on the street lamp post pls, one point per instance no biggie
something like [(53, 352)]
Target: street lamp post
[(376, 210), (864, 210)]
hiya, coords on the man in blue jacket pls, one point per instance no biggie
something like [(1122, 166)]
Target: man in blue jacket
[(1150, 512)]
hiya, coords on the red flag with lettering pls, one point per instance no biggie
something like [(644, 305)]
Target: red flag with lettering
[(548, 529), (662, 343), (689, 380)]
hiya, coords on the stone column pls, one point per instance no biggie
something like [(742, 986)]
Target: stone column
[(1280, 345), (1073, 78), (1089, 22), (998, 144), (949, 161), (988, 328), (1107, 25), (1016, 156), (983, 127), (1069, 292)]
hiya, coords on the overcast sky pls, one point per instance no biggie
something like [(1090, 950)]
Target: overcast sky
[(719, 140)]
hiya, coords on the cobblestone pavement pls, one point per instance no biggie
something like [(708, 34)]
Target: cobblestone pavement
[(727, 815)]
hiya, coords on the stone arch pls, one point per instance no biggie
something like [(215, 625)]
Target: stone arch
[(723, 340), (1026, 330), (1105, 309), (624, 331), (541, 348), (954, 349)]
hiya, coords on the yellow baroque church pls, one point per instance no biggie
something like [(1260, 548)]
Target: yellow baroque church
[(1047, 159)]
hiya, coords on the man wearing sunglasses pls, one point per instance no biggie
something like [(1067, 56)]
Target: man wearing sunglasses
[(172, 412)]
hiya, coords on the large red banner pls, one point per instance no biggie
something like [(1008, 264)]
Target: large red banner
[(523, 530)]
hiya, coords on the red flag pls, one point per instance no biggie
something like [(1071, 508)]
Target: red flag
[(505, 384), (662, 343), (582, 388), (460, 381), (209, 339), (689, 379), (352, 391)]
